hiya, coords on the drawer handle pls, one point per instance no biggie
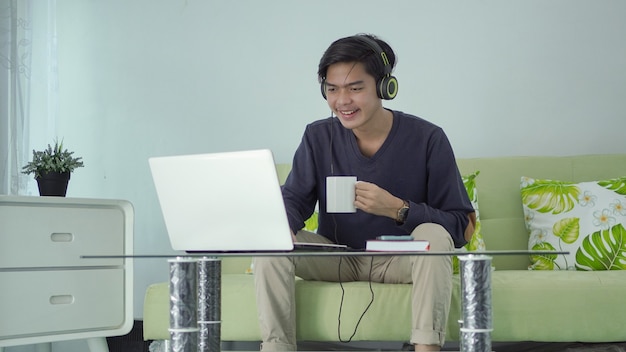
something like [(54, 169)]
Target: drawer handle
[(62, 299), (62, 237)]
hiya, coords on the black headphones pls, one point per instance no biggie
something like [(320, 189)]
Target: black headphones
[(388, 85)]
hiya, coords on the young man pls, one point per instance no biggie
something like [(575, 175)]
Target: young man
[(408, 184)]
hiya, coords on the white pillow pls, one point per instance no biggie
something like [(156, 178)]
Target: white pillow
[(588, 219)]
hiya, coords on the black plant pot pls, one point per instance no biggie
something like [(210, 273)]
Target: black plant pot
[(53, 183)]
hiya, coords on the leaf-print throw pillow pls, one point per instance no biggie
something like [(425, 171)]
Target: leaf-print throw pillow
[(588, 219), (311, 223), (477, 242)]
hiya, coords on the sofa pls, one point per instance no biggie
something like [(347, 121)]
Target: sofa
[(528, 305)]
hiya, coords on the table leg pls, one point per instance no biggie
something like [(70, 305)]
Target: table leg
[(209, 304), (183, 304), (475, 331)]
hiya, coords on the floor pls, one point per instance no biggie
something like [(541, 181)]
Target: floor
[(133, 342), (389, 346), (560, 347)]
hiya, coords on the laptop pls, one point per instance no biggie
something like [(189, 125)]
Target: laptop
[(224, 202)]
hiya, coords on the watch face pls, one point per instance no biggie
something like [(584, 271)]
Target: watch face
[(402, 213)]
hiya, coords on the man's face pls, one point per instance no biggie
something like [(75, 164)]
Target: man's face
[(351, 94)]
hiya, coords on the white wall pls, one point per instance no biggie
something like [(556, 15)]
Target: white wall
[(141, 78)]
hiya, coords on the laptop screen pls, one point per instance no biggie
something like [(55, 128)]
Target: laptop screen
[(222, 201)]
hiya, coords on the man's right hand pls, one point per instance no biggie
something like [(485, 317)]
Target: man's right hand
[(373, 199)]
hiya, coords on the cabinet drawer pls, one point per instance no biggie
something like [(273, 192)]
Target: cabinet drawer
[(56, 235), (60, 302)]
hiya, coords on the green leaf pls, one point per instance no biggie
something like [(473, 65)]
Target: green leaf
[(567, 229), (543, 261), (469, 181), (52, 160), (603, 250), (311, 223), (547, 196), (456, 266), (476, 242), (617, 184)]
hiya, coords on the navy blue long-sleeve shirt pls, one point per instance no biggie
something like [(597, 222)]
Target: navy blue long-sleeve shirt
[(415, 163)]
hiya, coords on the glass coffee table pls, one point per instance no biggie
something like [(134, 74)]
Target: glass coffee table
[(195, 285)]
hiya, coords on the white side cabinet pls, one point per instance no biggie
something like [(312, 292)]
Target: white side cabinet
[(47, 291)]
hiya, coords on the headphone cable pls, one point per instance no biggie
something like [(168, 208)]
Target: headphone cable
[(341, 304), (332, 130), (343, 292)]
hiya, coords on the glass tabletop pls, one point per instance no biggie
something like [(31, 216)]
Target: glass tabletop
[(328, 253)]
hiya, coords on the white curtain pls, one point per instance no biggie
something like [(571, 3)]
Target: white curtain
[(27, 55)]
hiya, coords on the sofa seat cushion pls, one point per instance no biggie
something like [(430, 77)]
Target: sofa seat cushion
[(558, 306), (547, 306), (239, 315), (317, 305)]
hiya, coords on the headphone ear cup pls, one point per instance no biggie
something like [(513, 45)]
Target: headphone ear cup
[(388, 87), (323, 88)]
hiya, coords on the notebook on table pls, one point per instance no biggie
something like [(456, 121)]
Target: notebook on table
[(224, 202)]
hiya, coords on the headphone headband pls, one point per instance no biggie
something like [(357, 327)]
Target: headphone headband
[(377, 50)]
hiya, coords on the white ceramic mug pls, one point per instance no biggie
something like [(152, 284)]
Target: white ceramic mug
[(340, 194)]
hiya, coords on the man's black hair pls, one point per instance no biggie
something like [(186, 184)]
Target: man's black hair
[(354, 49)]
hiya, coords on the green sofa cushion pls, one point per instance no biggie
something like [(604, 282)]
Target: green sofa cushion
[(558, 306)]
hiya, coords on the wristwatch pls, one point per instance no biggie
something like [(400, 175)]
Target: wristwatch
[(403, 212)]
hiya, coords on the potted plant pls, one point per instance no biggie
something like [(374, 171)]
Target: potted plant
[(52, 168)]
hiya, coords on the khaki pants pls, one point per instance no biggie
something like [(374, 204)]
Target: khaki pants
[(431, 277)]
